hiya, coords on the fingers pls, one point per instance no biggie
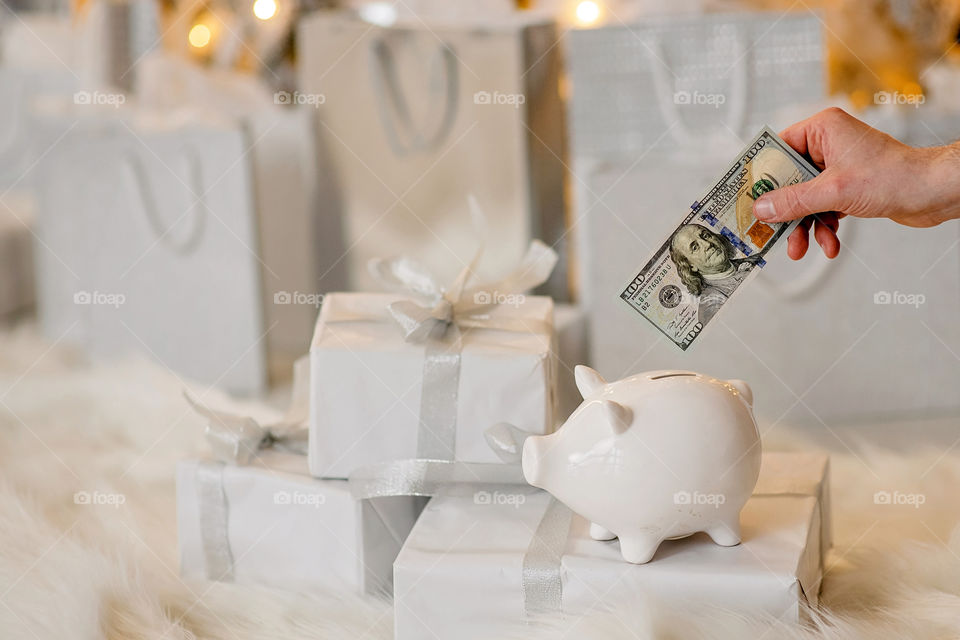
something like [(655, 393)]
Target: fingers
[(824, 232), (800, 200), (826, 236), (810, 137), (799, 240)]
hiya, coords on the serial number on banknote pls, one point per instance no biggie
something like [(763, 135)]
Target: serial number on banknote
[(719, 245)]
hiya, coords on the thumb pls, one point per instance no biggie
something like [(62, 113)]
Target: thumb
[(799, 200)]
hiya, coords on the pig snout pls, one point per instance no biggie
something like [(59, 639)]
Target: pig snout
[(531, 460)]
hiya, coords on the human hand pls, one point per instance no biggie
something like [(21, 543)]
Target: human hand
[(866, 174)]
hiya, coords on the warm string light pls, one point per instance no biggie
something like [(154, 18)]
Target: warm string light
[(265, 9), (587, 12), (199, 36)]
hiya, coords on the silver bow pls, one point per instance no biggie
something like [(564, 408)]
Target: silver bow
[(437, 315), (236, 439), (457, 305)]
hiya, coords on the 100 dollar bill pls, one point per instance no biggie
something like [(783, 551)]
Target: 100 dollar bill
[(719, 245)]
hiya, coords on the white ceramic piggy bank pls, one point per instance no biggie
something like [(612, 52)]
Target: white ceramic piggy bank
[(652, 457)]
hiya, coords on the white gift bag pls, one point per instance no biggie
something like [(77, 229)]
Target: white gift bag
[(36, 60), (818, 340), (418, 115), (189, 236), (657, 113), (686, 81)]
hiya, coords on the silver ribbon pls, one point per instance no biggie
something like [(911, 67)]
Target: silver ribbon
[(428, 477), (214, 520), (236, 439), (437, 323), (542, 580)]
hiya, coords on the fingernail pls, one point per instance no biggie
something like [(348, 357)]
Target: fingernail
[(763, 209)]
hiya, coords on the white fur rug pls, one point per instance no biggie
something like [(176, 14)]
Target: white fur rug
[(72, 570)]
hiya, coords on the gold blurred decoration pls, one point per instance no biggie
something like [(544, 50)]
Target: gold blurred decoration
[(876, 45)]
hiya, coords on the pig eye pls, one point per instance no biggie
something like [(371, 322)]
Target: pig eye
[(672, 375)]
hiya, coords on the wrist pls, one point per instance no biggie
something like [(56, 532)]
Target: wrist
[(941, 184)]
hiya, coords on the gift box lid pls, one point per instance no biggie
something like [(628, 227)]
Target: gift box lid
[(362, 321)]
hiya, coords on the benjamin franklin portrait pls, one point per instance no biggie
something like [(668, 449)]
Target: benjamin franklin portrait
[(707, 267)]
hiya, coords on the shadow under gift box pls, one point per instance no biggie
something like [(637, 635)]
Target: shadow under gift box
[(460, 572), (367, 389), (271, 524)]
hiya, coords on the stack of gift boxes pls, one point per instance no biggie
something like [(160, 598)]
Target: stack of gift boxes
[(397, 400)]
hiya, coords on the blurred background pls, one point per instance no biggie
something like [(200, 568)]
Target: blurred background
[(186, 179)]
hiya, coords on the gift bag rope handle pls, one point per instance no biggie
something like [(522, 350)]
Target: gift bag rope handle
[(139, 180), (402, 133), (665, 88), (816, 271)]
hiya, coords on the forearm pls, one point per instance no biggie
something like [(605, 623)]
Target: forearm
[(943, 185)]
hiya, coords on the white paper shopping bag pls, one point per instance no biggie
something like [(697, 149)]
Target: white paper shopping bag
[(417, 116), (184, 235)]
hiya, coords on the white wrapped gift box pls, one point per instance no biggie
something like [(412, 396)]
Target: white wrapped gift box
[(460, 573), (804, 473), (277, 526), (367, 383)]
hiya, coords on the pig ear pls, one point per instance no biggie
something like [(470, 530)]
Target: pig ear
[(744, 390), (617, 415), (588, 380)]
